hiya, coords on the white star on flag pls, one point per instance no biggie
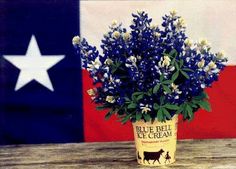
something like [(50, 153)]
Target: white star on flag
[(34, 66)]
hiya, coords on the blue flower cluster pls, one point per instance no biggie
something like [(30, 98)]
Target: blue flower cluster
[(149, 67)]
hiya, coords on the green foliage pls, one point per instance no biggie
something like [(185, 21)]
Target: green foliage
[(116, 66), (147, 117), (108, 115), (166, 113), (156, 106), (184, 73), (102, 107), (188, 108), (132, 105), (171, 106), (160, 115), (126, 118), (175, 76), (130, 110), (173, 53), (138, 116), (166, 89), (156, 88), (163, 111), (204, 104)]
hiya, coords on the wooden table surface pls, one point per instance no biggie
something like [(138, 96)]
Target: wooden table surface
[(191, 154)]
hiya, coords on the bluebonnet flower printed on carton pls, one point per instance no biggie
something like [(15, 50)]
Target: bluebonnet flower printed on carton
[(152, 72)]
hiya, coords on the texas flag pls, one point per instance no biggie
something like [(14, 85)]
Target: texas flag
[(43, 95), (40, 77)]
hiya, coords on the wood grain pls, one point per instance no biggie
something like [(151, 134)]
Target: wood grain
[(191, 154)]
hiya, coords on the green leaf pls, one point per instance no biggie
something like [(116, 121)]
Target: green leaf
[(171, 106), (156, 106), (193, 105), (149, 93), (133, 97), (137, 93), (173, 61), (166, 88), (205, 105), (114, 70), (161, 77), (175, 76), (126, 118), (132, 106), (167, 82), (189, 111), (138, 116), (150, 90), (205, 95), (127, 99), (185, 74), (147, 117), (176, 65), (187, 69), (173, 53), (160, 115), (180, 110), (156, 88), (140, 97), (101, 107), (185, 114), (181, 62), (117, 63), (201, 96), (108, 115), (162, 98), (122, 111), (136, 96), (167, 114)]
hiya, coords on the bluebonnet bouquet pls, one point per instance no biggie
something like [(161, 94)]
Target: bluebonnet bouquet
[(152, 72)]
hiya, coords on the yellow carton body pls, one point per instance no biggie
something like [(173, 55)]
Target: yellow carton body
[(155, 142)]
